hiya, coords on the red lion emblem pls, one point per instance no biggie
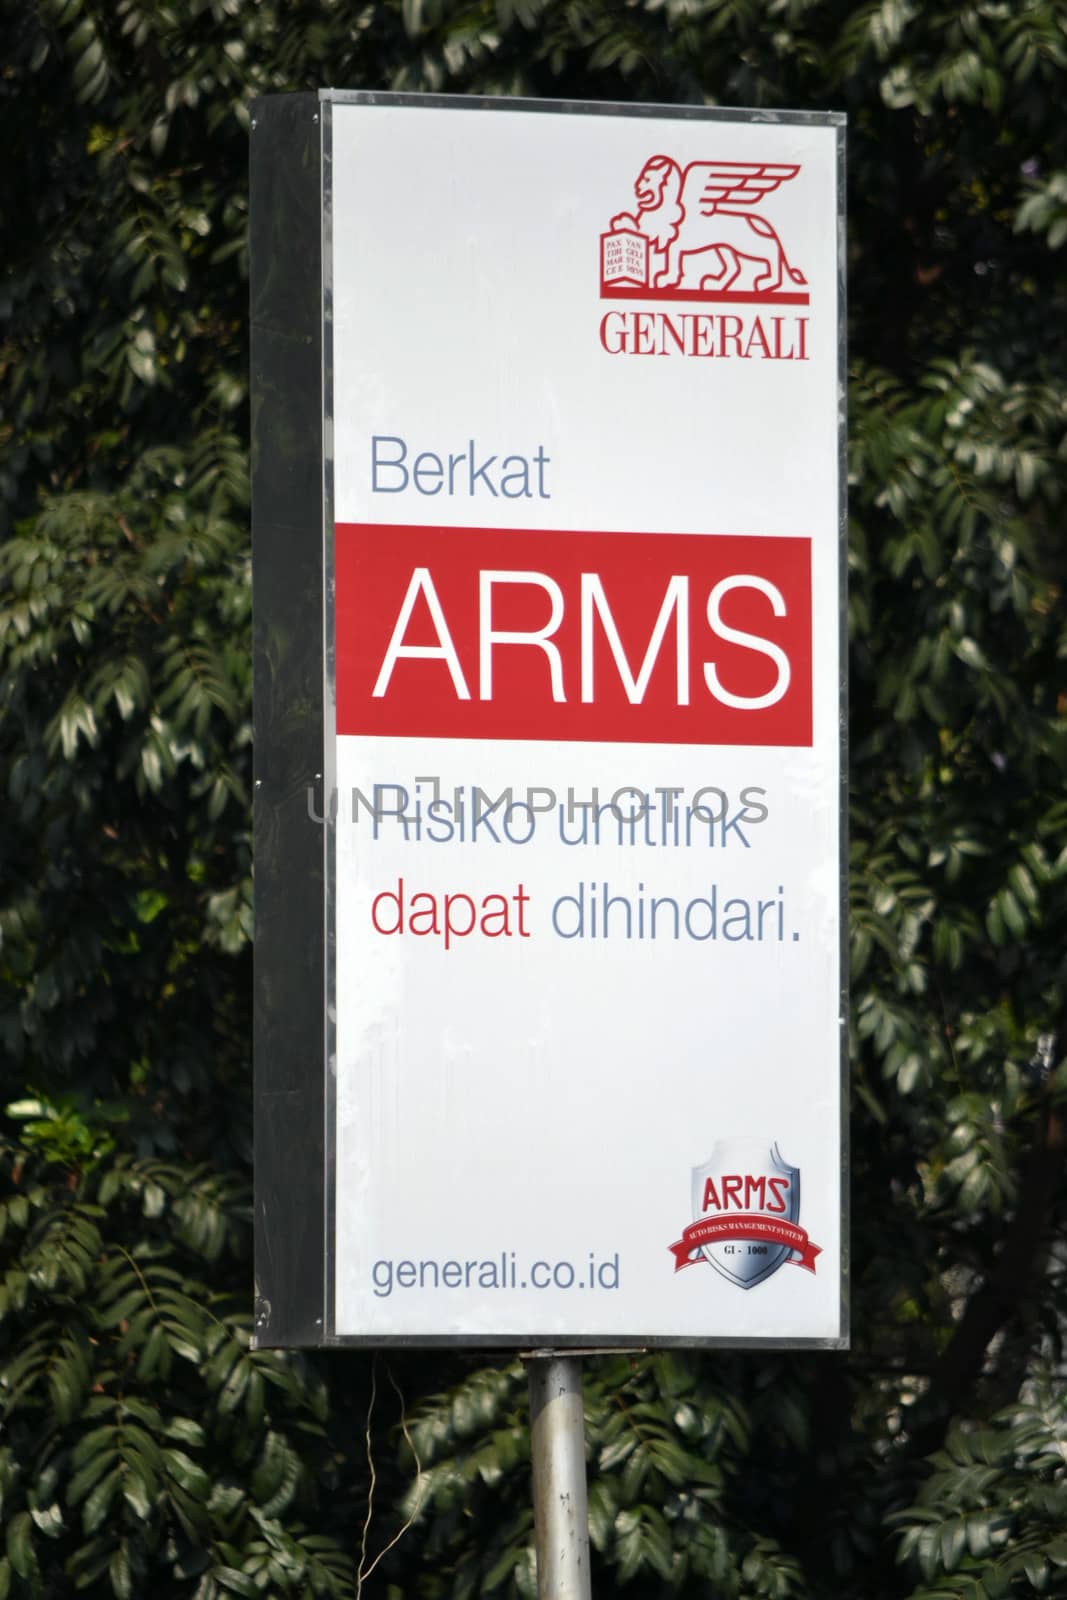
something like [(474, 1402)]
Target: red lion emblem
[(692, 232)]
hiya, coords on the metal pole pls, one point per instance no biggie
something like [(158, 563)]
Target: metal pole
[(557, 1449)]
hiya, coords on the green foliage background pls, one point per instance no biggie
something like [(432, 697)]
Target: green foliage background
[(145, 1449)]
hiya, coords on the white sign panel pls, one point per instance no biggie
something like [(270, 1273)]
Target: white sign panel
[(585, 686)]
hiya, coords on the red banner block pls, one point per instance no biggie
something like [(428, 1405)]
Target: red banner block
[(642, 638)]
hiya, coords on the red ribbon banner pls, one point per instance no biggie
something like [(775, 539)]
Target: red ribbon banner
[(752, 1226)]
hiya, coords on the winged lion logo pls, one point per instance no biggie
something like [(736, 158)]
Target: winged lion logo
[(694, 235)]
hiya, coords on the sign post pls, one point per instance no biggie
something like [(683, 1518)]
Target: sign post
[(548, 512), (557, 1455)]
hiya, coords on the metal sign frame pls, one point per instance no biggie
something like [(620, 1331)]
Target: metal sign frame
[(291, 232)]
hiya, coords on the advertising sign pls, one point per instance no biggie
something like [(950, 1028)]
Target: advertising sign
[(578, 775)]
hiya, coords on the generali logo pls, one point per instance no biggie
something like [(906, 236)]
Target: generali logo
[(696, 237)]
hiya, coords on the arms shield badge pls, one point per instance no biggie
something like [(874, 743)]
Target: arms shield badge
[(746, 1206)]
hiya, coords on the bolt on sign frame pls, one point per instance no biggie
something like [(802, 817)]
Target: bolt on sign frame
[(548, 519)]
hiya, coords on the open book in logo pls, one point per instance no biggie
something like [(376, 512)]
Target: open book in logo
[(695, 236)]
